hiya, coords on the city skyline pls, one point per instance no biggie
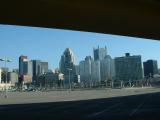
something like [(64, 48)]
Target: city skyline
[(48, 44)]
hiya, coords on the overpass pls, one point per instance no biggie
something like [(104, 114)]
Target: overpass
[(137, 18)]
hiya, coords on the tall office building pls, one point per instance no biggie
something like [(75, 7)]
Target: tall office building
[(95, 73), (82, 72), (25, 70), (44, 67), (22, 64), (99, 53), (67, 65), (150, 68), (89, 72), (85, 71), (107, 68), (128, 67), (36, 69)]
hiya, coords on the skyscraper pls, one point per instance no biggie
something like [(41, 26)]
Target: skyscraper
[(25, 70), (22, 60), (67, 65), (90, 72), (128, 67), (99, 53), (95, 73), (44, 67), (107, 68), (85, 71), (150, 68), (36, 69)]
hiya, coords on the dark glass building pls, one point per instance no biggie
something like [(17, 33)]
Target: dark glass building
[(150, 68), (128, 67)]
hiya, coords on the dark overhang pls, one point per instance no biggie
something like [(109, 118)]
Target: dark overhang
[(137, 18)]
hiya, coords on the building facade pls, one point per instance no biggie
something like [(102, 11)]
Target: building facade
[(128, 67), (95, 73), (99, 53), (22, 64), (90, 72), (107, 69), (13, 77), (25, 70), (38, 69), (44, 67), (67, 66), (150, 68), (86, 71)]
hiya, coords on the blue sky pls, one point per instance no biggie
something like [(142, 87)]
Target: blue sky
[(48, 44)]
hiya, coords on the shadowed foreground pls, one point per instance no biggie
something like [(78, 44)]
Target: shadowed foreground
[(135, 107)]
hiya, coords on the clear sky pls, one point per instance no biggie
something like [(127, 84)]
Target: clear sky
[(49, 44)]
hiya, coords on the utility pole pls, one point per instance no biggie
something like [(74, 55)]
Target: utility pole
[(70, 87), (5, 64)]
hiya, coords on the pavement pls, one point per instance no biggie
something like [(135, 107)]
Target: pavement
[(131, 104), (76, 95)]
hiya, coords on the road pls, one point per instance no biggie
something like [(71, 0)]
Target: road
[(133, 107)]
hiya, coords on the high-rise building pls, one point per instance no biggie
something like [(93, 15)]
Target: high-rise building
[(107, 68), (85, 71), (36, 69), (95, 73), (89, 72), (99, 53), (128, 67), (150, 68), (22, 64), (44, 67), (77, 70), (82, 72), (25, 69), (67, 65)]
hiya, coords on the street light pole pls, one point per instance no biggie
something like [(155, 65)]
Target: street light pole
[(70, 87), (5, 64), (6, 79)]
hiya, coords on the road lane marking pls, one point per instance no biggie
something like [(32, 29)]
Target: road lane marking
[(103, 111), (135, 110), (138, 107)]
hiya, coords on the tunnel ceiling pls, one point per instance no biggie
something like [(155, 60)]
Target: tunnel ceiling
[(136, 18)]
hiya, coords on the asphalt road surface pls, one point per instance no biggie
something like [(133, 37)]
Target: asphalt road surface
[(135, 107)]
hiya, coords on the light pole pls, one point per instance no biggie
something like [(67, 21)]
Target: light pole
[(5, 64), (70, 87)]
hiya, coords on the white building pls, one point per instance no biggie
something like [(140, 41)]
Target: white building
[(96, 73), (85, 71), (13, 77), (107, 68), (90, 72)]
